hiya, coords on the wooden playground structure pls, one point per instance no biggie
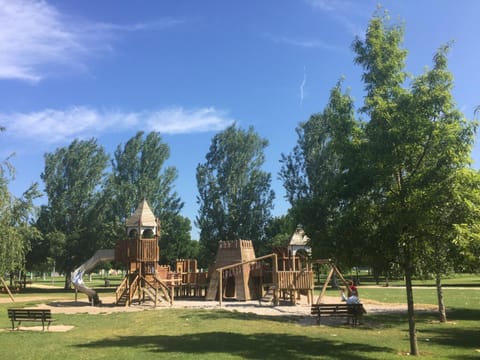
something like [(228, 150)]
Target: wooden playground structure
[(283, 275), (237, 274), (146, 279), (140, 253)]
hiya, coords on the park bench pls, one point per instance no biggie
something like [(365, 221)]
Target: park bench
[(352, 312), (40, 315)]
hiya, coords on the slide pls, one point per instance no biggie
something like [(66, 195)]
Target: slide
[(77, 275)]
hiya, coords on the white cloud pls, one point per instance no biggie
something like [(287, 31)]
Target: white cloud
[(302, 85), (342, 11), (305, 43), (178, 120), (329, 5), (58, 126), (35, 35)]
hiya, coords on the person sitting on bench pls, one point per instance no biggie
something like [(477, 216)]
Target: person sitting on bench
[(352, 294)]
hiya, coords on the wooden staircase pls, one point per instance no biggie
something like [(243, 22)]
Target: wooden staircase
[(268, 294), (156, 290), (151, 289), (126, 291)]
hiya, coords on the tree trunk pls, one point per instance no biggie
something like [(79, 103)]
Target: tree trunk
[(441, 304), (411, 312), (68, 280)]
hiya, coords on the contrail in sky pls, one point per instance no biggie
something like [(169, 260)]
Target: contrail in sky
[(302, 85)]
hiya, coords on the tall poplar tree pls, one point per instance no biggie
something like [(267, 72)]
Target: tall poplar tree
[(315, 174), (139, 172), (235, 197), (73, 177)]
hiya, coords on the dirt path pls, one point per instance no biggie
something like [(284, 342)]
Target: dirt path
[(67, 305), (300, 312)]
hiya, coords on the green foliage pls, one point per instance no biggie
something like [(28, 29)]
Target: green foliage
[(392, 192), (278, 232), (177, 244), (139, 172), (234, 193), (318, 171), (72, 176), (16, 231)]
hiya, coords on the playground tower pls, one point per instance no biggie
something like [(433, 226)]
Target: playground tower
[(237, 282), (140, 253)]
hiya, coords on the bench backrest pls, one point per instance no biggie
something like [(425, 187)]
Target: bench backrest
[(39, 314), (337, 308)]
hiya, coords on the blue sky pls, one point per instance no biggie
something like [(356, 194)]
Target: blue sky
[(188, 69)]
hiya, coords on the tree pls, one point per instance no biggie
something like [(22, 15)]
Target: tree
[(139, 172), (73, 176), (177, 244), (416, 141), (234, 193), (390, 191), (467, 230), (316, 173), (15, 227), (15, 222), (277, 233)]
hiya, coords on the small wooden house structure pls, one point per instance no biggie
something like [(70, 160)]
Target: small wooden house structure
[(299, 243)]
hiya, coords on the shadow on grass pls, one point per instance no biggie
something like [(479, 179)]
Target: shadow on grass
[(467, 338), (251, 346), (463, 314), (455, 337), (237, 315), (43, 291)]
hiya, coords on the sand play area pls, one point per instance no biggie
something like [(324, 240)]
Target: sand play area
[(299, 313)]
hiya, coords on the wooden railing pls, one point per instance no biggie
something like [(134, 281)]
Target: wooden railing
[(148, 250), (133, 288), (129, 283), (121, 289), (137, 250), (167, 290), (294, 280)]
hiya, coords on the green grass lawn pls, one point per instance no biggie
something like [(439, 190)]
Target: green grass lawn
[(216, 334)]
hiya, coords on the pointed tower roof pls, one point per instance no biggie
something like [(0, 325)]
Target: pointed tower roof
[(299, 238), (143, 216)]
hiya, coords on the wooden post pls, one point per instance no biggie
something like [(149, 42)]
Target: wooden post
[(220, 287), (340, 275), (325, 285), (6, 288), (276, 292)]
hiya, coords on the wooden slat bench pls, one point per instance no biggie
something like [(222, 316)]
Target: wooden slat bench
[(41, 315), (350, 311)]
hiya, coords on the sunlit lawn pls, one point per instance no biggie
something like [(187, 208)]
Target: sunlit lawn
[(217, 334)]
